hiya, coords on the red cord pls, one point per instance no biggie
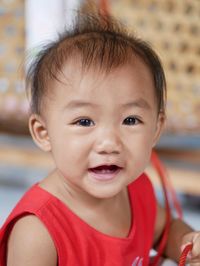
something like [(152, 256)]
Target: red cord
[(166, 184), (162, 174), (184, 254)]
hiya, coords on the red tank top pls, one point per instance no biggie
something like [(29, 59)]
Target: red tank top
[(77, 243)]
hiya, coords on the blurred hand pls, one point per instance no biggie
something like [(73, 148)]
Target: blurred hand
[(193, 257)]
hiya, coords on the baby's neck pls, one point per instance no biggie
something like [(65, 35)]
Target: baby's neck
[(111, 216)]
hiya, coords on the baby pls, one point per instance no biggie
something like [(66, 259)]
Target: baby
[(98, 99)]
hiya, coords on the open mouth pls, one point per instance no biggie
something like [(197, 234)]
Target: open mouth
[(105, 172), (105, 169)]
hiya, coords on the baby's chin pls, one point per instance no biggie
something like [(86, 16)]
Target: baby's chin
[(105, 190)]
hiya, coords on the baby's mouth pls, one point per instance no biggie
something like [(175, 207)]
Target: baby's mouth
[(105, 172), (105, 169)]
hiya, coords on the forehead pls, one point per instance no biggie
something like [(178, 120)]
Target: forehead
[(133, 79)]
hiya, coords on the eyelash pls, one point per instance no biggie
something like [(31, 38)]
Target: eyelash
[(135, 121), (86, 122), (80, 122)]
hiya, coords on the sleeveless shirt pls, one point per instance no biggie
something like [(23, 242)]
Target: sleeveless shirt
[(79, 244)]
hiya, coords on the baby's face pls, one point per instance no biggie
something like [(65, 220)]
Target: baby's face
[(102, 127)]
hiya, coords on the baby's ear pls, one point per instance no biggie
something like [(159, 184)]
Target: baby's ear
[(159, 127), (39, 132)]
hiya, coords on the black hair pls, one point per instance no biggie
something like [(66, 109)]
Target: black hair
[(98, 40)]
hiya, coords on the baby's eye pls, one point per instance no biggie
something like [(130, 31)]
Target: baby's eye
[(131, 121), (84, 122)]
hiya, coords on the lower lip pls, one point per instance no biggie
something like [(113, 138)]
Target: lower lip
[(104, 177)]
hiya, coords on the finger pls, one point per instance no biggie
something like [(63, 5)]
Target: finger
[(196, 246), (194, 264), (187, 239), (194, 239)]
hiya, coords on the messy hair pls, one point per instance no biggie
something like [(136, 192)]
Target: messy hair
[(98, 40)]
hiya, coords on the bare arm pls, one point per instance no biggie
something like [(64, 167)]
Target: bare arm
[(30, 244), (178, 229)]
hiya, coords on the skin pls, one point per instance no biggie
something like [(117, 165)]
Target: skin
[(93, 119)]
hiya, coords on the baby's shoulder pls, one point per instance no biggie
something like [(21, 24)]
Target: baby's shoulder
[(30, 244)]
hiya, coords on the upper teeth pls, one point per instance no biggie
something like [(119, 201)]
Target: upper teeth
[(104, 171)]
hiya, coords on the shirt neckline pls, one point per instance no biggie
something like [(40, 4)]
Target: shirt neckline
[(91, 228)]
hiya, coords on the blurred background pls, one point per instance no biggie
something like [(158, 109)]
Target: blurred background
[(172, 27)]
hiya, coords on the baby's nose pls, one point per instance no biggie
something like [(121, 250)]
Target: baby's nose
[(108, 142)]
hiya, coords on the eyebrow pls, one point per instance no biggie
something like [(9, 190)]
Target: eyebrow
[(140, 103), (79, 104)]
